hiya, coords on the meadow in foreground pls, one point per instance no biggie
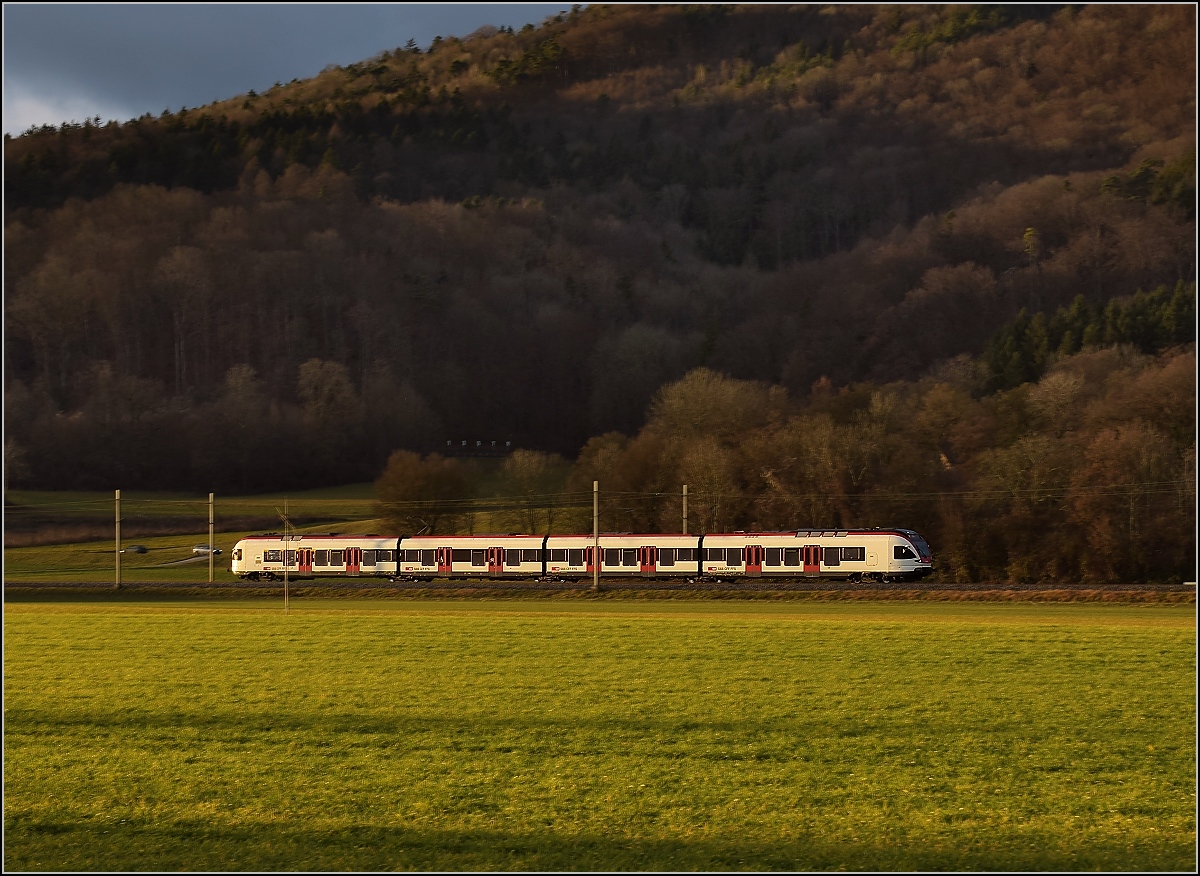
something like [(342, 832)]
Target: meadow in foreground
[(586, 735)]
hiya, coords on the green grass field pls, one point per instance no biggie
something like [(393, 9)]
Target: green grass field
[(380, 735)]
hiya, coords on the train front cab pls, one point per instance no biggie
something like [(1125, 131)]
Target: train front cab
[(856, 555), (908, 556)]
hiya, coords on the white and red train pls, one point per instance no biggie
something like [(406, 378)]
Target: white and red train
[(854, 554)]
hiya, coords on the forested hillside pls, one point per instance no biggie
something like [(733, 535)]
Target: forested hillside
[(525, 236)]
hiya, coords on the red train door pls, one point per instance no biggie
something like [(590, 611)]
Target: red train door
[(648, 554), (812, 559), (445, 556), (353, 560), (754, 560), (306, 558), (495, 561), (589, 558)]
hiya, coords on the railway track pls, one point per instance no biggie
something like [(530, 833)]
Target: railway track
[(482, 587)]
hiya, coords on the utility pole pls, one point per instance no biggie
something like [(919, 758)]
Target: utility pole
[(117, 518), (283, 515), (286, 541), (210, 538), (595, 536), (685, 532)]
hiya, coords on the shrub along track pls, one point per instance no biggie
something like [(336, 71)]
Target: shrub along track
[(623, 588)]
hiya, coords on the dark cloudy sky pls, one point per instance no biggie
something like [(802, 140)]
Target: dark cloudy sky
[(66, 62)]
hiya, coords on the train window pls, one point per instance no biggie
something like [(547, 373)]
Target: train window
[(666, 556), (832, 556), (575, 558), (773, 556), (237, 554), (533, 556), (336, 558), (428, 558), (853, 554), (291, 558), (733, 556), (320, 558), (716, 555), (685, 555), (462, 555), (512, 558), (272, 556), (612, 557), (368, 558), (629, 557), (479, 558), (558, 555), (900, 552), (791, 556)]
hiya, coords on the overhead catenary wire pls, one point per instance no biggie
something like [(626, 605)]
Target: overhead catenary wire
[(133, 508), (583, 499)]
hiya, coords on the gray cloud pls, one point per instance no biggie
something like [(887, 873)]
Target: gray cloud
[(119, 61)]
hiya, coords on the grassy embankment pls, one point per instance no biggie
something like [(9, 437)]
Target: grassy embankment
[(549, 735), (37, 516), (69, 536)]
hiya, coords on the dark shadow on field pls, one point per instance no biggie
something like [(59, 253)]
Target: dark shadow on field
[(269, 847), (36, 841), (473, 732)]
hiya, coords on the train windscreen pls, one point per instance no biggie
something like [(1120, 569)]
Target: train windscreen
[(919, 543)]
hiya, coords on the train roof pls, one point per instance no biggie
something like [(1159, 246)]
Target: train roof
[(786, 533), (625, 535), (314, 536), (811, 533), (493, 536)]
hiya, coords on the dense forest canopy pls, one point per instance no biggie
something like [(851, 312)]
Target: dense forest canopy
[(530, 236)]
